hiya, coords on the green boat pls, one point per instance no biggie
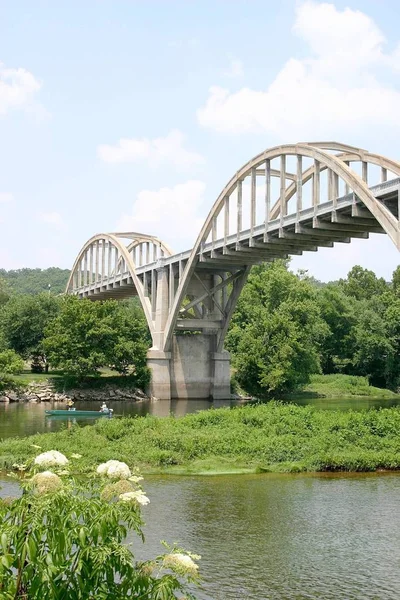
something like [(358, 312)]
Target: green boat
[(79, 413)]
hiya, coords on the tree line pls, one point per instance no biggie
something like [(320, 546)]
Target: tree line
[(36, 281), (286, 327), (77, 337)]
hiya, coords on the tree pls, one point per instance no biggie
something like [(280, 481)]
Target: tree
[(339, 312), (396, 281), (362, 284), (23, 321), (10, 363), (5, 292), (276, 332), (87, 335)]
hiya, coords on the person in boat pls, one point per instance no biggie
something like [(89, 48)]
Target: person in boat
[(70, 404), (104, 407)]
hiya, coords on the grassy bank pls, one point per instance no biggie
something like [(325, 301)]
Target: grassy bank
[(270, 437), (344, 385)]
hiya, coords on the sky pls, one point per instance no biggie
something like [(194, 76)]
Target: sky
[(133, 114)]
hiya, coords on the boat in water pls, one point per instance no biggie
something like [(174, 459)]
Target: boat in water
[(72, 412)]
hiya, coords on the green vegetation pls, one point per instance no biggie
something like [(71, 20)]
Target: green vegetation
[(10, 363), (79, 338), (23, 322), (344, 385), (66, 538), (276, 332), (266, 437), (86, 336), (286, 328), (35, 281)]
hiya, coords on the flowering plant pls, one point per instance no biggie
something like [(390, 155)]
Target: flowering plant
[(63, 538)]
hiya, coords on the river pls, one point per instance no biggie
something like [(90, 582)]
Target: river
[(269, 536), (21, 419), (281, 537)]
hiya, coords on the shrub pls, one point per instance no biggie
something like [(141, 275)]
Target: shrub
[(10, 363), (64, 538)]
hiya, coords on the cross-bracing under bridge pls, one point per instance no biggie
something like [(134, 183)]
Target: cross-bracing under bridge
[(287, 200)]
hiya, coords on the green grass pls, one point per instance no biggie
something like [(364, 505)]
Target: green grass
[(344, 385), (267, 437)]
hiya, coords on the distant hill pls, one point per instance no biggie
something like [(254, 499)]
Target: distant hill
[(35, 281)]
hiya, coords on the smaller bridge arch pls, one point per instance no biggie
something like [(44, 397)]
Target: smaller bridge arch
[(106, 267)]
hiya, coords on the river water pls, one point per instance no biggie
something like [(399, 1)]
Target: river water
[(281, 537), (266, 537), (21, 419)]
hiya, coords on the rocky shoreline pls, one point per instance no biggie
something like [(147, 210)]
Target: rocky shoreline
[(45, 392)]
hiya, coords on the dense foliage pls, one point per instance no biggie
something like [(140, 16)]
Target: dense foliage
[(86, 336), (276, 332), (286, 327), (270, 436), (64, 537), (10, 363), (35, 281), (23, 321)]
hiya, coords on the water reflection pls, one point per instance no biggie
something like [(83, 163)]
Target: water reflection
[(21, 419)]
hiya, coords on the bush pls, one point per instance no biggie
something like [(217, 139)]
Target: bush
[(64, 538), (10, 363)]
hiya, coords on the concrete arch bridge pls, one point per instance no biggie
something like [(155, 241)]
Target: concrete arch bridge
[(287, 200)]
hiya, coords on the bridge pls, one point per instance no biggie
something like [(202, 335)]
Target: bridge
[(287, 200)]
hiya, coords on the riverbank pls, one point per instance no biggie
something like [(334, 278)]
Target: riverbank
[(254, 438), (337, 385), (57, 390)]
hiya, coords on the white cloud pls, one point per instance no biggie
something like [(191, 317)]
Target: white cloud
[(6, 197), (332, 91), (51, 218), (169, 149), (190, 43), (173, 212), (235, 68), (17, 88)]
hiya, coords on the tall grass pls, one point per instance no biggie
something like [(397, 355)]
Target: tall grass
[(271, 437), (345, 385)]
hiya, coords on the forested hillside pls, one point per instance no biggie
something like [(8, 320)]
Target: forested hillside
[(35, 281)]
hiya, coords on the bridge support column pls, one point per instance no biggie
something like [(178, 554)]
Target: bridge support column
[(191, 370), (159, 365), (221, 381)]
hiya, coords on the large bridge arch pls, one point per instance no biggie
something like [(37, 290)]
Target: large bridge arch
[(286, 200)]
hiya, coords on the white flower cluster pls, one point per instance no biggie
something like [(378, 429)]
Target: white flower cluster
[(137, 496), (52, 458), (182, 563), (114, 469), (136, 478), (46, 483)]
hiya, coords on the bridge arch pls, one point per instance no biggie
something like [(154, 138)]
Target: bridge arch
[(104, 258), (321, 154), (311, 195)]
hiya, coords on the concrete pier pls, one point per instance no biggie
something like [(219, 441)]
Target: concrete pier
[(191, 370)]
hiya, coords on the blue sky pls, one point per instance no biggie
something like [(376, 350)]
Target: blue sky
[(193, 90)]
